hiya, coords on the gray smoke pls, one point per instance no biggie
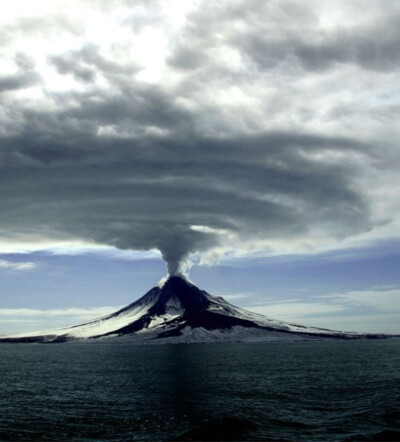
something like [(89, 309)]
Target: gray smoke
[(257, 134)]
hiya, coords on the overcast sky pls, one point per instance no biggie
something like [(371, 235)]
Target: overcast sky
[(244, 138)]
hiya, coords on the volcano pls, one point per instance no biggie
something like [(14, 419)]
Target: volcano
[(176, 311)]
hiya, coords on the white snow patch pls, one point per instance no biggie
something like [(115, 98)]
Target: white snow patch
[(169, 320), (102, 325), (219, 305), (173, 306)]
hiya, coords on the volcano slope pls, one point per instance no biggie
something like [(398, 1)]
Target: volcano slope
[(177, 311)]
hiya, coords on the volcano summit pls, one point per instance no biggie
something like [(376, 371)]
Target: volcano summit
[(177, 311)]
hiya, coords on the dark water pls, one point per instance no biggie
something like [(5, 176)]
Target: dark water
[(292, 391)]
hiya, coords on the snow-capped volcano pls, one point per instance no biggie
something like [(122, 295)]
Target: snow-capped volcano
[(178, 311)]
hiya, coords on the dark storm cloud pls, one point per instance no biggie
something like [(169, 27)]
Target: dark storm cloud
[(272, 33), (140, 165), (24, 77), (84, 63), (149, 192), (19, 81), (188, 58), (375, 47)]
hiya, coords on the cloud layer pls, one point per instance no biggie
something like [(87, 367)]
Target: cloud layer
[(227, 127), (16, 265), (375, 310)]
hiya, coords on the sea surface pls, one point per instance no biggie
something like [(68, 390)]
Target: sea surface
[(306, 391)]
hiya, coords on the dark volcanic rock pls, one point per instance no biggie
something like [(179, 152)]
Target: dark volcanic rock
[(178, 309)]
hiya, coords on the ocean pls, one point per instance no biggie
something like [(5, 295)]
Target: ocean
[(305, 391)]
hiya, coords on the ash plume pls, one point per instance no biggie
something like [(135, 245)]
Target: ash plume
[(234, 132)]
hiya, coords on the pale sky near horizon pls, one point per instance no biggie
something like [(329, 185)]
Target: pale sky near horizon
[(256, 141)]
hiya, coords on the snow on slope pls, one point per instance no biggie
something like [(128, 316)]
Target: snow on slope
[(221, 306), (102, 325), (177, 311)]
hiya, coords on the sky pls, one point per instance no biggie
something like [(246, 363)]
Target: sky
[(252, 145)]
